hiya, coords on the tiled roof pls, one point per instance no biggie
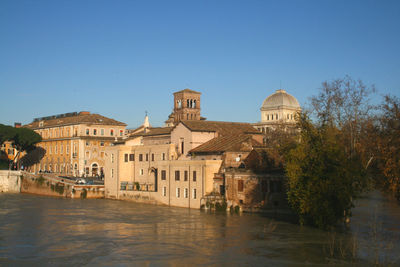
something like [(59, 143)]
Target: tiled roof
[(84, 118), (158, 131), (187, 91), (222, 127), (230, 143)]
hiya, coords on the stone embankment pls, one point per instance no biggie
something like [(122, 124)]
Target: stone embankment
[(10, 181), (51, 185)]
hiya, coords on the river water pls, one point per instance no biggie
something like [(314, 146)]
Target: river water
[(43, 231)]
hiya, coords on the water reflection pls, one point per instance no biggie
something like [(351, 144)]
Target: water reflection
[(64, 232)]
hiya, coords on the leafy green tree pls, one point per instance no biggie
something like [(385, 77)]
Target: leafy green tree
[(23, 139), (6, 133), (322, 179)]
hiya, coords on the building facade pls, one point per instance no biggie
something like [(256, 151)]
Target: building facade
[(75, 142)]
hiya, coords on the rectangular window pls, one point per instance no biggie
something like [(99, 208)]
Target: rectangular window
[(67, 148), (87, 143), (194, 194), (121, 132), (112, 173), (240, 185), (164, 191), (94, 131), (141, 172), (152, 157), (147, 157), (163, 156), (163, 174), (55, 149), (177, 174), (131, 157), (178, 192), (186, 175), (126, 157), (101, 143), (140, 157), (87, 131), (194, 176), (186, 193), (112, 158), (61, 149), (102, 131), (111, 132)]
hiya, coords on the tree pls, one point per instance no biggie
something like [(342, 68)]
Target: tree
[(6, 133), (33, 157), (322, 179), (344, 104), (388, 144), (23, 139)]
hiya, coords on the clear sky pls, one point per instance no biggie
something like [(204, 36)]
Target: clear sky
[(121, 58)]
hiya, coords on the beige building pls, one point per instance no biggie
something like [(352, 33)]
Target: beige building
[(278, 110), (161, 165), (75, 143)]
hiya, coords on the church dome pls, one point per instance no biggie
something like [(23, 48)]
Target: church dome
[(280, 99)]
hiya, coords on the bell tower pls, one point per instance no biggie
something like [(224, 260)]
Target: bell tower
[(186, 105)]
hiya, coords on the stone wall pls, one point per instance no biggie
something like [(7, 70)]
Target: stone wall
[(57, 187), (10, 181)]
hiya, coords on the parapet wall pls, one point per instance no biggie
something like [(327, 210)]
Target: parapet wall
[(10, 181)]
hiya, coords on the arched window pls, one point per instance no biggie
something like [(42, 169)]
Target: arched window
[(188, 103), (194, 103)]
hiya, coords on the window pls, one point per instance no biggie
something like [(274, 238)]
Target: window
[(126, 157), (152, 157), (50, 149), (140, 157), (102, 131), (177, 174), (55, 149), (121, 132), (164, 191), (112, 158), (94, 131), (186, 193), (87, 131), (240, 185), (186, 175), (163, 156), (194, 176), (61, 149), (87, 143), (194, 194), (111, 132), (178, 192), (101, 143), (131, 157), (163, 174), (147, 157), (67, 148), (112, 173), (141, 172)]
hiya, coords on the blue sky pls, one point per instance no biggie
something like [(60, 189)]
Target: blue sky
[(122, 58)]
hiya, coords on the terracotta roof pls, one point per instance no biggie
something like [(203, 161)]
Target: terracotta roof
[(158, 131), (232, 143), (222, 127), (187, 91), (81, 118)]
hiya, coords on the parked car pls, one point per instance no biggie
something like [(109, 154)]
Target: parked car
[(80, 181)]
